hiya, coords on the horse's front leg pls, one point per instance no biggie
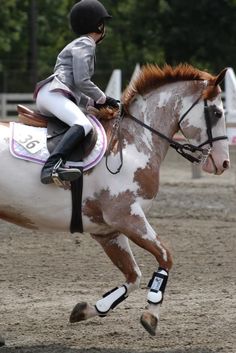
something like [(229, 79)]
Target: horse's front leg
[(136, 227), (116, 246)]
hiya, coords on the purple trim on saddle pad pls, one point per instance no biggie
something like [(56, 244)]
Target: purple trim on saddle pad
[(18, 151), (21, 156)]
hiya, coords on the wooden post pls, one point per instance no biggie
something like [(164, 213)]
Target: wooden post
[(196, 171), (3, 111)]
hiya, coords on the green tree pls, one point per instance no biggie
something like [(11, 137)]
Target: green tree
[(12, 19), (53, 32), (199, 32), (32, 34), (132, 36)]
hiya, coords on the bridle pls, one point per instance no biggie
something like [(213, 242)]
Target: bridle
[(186, 149)]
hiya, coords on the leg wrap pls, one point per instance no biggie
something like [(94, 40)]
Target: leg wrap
[(110, 300), (157, 286)]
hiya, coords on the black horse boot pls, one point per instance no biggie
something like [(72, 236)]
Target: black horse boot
[(61, 153)]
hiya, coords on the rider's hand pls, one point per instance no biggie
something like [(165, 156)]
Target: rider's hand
[(110, 102)]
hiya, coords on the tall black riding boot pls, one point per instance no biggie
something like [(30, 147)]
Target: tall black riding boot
[(55, 163)]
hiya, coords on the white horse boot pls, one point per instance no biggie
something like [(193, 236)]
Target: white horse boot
[(155, 296), (157, 286), (83, 311), (111, 299)]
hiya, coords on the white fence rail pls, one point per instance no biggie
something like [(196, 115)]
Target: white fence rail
[(9, 102)]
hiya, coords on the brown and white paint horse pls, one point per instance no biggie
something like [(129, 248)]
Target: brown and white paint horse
[(114, 207)]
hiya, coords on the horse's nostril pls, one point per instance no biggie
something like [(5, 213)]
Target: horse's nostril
[(226, 164)]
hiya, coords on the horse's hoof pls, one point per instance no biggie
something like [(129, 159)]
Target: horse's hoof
[(2, 341), (79, 312), (149, 322)]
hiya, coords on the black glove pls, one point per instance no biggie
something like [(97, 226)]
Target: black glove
[(110, 102)]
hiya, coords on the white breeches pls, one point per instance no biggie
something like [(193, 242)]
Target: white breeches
[(51, 103)]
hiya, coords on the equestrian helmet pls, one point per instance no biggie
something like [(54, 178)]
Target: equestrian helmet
[(86, 16)]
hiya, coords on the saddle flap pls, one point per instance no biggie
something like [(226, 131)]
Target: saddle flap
[(56, 129)]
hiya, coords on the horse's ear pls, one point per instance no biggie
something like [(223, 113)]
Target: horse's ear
[(220, 77)]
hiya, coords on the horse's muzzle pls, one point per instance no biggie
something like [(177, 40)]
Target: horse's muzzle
[(214, 166), (220, 169)]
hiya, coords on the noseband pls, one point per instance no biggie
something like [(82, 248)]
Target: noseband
[(186, 149)]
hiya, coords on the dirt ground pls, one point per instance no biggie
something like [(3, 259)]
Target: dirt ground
[(42, 277)]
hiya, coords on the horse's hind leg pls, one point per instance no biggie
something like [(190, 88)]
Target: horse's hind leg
[(116, 246)]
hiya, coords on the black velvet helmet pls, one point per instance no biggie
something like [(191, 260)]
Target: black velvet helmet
[(86, 16)]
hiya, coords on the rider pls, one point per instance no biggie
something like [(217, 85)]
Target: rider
[(70, 86)]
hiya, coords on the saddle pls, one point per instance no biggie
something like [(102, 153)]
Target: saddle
[(55, 131)]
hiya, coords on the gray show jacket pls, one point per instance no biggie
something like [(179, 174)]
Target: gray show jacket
[(73, 71)]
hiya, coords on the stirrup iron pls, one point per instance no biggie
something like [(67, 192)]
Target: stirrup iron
[(55, 176)]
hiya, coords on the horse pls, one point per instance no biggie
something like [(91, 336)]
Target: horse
[(115, 201)]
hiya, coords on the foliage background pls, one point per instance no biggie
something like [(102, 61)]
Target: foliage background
[(32, 32)]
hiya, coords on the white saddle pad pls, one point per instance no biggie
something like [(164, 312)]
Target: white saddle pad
[(30, 143)]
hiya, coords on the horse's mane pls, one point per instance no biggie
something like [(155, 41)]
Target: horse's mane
[(151, 77)]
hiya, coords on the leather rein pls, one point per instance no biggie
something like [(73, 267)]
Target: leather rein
[(185, 149)]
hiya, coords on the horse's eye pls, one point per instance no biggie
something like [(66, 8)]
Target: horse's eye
[(218, 114), (214, 114)]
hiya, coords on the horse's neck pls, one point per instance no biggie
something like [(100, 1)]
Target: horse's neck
[(161, 109), (155, 110)]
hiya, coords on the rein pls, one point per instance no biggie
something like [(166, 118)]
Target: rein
[(182, 149), (116, 131)]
